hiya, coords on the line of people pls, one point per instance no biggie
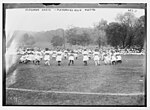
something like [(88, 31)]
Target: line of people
[(36, 56)]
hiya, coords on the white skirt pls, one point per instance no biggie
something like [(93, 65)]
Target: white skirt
[(107, 60), (22, 58), (113, 59), (96, 58), (85, 58), (46, 57), (58, 58), (30, 58), (71, 58)]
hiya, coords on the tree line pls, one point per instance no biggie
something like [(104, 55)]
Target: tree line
[(127, 31)]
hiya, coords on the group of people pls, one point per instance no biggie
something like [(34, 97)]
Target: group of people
[(36, 56)]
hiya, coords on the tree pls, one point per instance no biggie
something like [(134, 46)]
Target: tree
[(57, 41), (77, 36), (84, 39), (128, 20), (116, 34), (100, 38), (28, 40), (139, 29), (71, 36), (100, 33)]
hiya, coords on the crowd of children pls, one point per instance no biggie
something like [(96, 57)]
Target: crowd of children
[(109, 56)]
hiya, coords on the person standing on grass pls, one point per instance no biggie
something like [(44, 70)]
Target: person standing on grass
[(113, 59), (22, 59), (71, 58), (47, 57), (65, 54), (38, 57), (85, 57), (54, 54), (28, 57), (59, 57), (107, 59), (96, 56)]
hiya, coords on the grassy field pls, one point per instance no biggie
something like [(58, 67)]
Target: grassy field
[(127, 78)]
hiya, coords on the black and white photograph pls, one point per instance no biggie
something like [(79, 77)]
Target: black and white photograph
[(74, 54)]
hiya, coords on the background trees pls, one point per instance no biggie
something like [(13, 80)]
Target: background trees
[(77, 36), (140, 37), (117, 34), (100, 33), (57, 41), (128, 20), (126, 32), (28, 40)]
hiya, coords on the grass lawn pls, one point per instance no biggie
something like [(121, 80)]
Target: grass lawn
[(127, 77)]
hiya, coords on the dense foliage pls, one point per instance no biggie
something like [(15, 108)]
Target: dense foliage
[(126, 32)]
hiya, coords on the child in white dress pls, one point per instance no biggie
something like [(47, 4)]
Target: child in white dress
[(85, 57), (47, 57), (59, 57), (71, 58), (96, 56)]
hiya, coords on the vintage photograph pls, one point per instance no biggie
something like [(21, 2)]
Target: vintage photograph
[(73, 54)]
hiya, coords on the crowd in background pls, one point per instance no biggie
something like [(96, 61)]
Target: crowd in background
[(108, 56)]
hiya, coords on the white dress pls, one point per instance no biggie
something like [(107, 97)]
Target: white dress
[(71, 57), (113, 58), (107, 59), (96, 56), (30, 57), (47, 56), (54, 54), (23, 58), (85, 56), (59, 56)]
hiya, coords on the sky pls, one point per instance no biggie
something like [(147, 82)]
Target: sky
[(51, 19)]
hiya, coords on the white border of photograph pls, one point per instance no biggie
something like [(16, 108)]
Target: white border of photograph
[(85, 108)]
